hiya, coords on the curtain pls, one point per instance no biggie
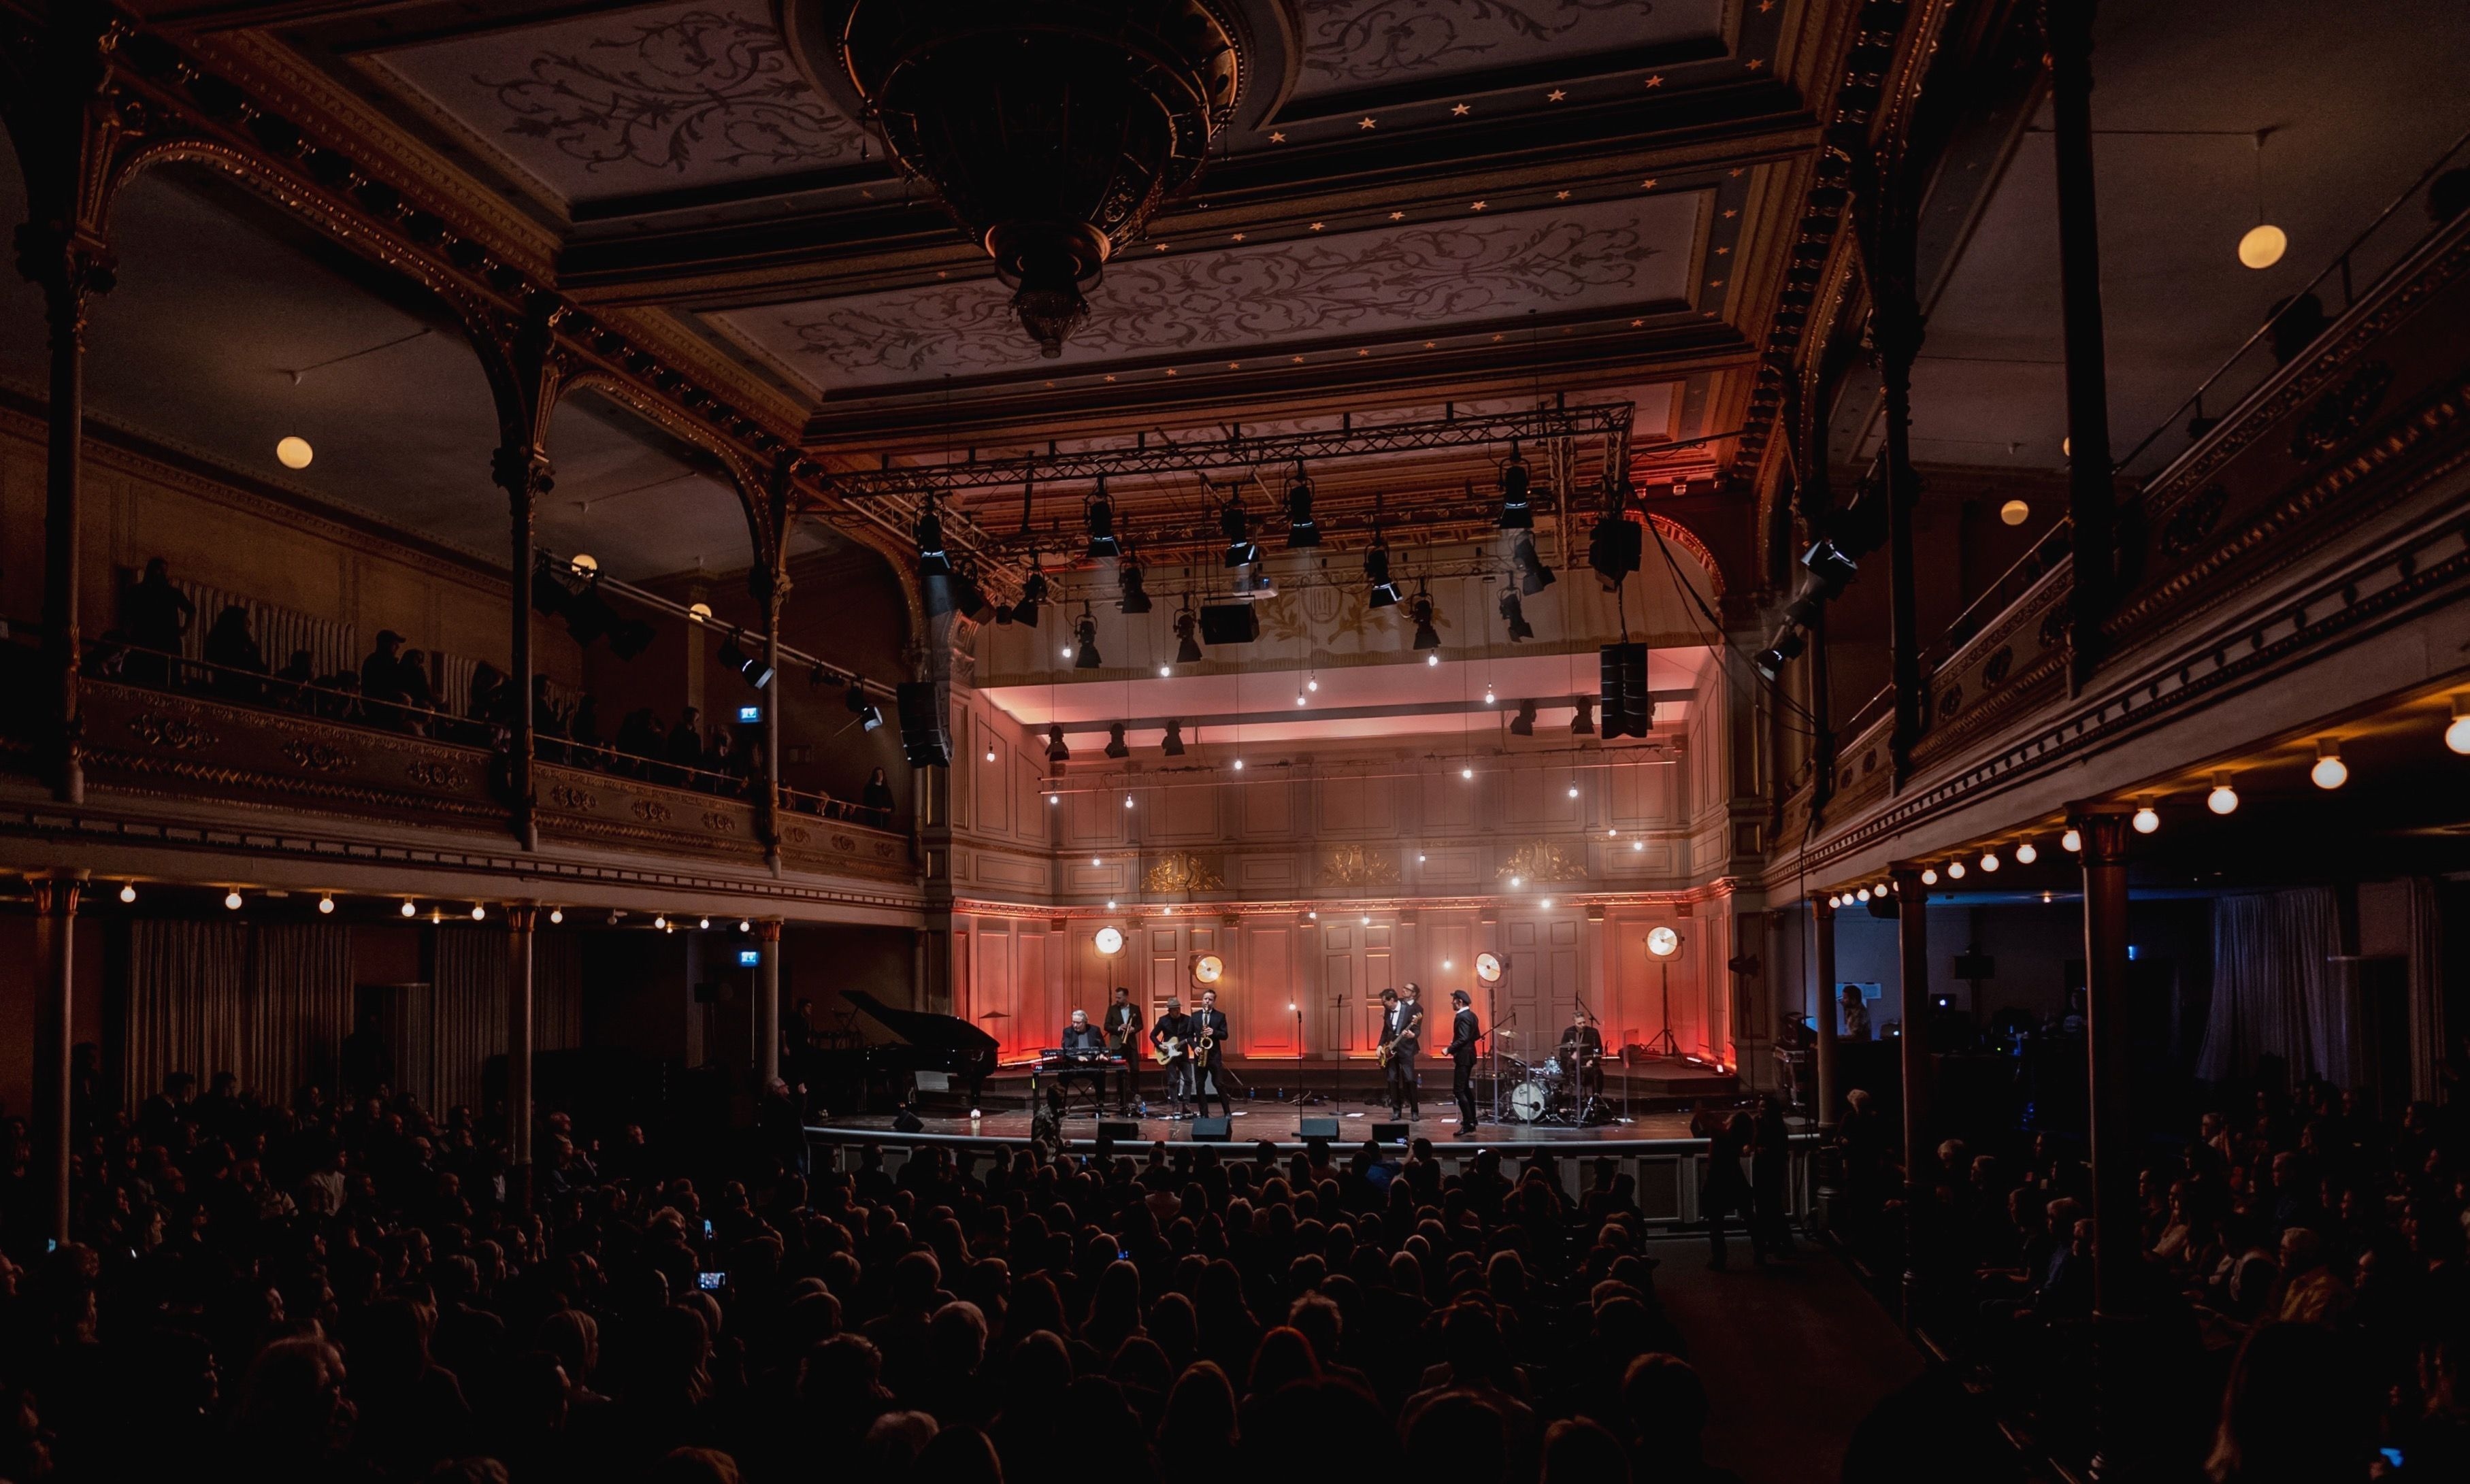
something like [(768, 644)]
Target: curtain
[(2427, 1029), (188, 1001), (270, 1004), (302, 994), (2275, 989), (277, 630), (468, 1005), (557, 991)]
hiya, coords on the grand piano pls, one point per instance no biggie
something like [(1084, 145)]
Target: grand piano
[(928, 1043)]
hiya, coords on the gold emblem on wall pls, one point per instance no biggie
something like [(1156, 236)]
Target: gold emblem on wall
[(1181, 871), (1353, 865), (1540, 860)]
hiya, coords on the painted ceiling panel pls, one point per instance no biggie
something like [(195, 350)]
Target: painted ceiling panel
[(1453, 275), (1349, 46), (634, 102)]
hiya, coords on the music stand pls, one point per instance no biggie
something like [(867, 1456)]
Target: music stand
[(1663, 943)]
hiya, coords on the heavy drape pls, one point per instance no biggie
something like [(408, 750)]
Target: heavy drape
[(2276, 991), (269, 1004)]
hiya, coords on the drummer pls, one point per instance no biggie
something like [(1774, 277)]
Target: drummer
[(1582, 1053)]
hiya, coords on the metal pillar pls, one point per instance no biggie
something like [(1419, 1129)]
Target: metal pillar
[(522, 917), (767, 1004), (1822, 925), (56, 905), (1912, 953), (2067, 28)]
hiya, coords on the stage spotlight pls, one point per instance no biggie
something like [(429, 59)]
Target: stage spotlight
[(862, 708), (1516, 512), (1056, 750), (1115, 744), (1187, 645), (1426, 636), (1834, 569), (1771, 661), (1583, 724), (1376, 571), (932, 560), (1032, 597), (1084, 644), (1533, 576), (1301, 529), (1135, 598), (1236, 524), (1100, 517), (1513, 613), (751, 667), (1522, 725), (1172, 744), (549, 590)]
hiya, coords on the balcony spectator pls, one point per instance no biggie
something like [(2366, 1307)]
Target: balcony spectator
[(722, 762), (156, 615), (583, 730), (549, 724), (877, 797), (641, 741), (685, 750), (484, 711), (238, 670), (381, 692), (293, 679), (419, 698)]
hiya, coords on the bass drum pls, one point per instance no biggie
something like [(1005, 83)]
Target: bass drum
[(1528, 1100)]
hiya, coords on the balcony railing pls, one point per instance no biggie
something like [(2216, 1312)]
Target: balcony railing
[(186, 727)]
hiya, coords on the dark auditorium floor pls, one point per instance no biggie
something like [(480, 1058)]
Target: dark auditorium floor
[(1793, 1357)]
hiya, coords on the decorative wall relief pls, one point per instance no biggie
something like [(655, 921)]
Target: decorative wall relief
[(313, 757), (1541, 860), (1354, 866), (171, 734), (566, 796), (1181, 871), (433, 774)]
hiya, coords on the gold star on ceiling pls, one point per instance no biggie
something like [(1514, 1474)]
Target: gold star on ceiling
[(1397, 216), (1170, 370), (1234, 366), (1720, 252), (1755, 62), (1297, 360), (1367, 122), (1655, 79), (1560, 195), (1736, 172), (1556, 96), (1111, 376), (1460, 111), (1161, 247), (1648, 184), (1430, 344), (1729, 214), (1238, 236), (1638, 324), (1480, 206), (1715, 283), (1318, 226), (1363, 353), (1276, 137)]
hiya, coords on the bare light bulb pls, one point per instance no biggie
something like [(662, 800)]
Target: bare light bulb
[(2263, 245), (1487, 695), (1515, 882), (2329, 772), (1466, 773), (2224, 798), (703, 922), (1574, 790), (1128, 800), (1165, 670), (478, 912), (2072, 840), (128, 892), (231, 899), (1988, 860), (2146, 818), (1862, 895), (1432, 660), (2015, 513), (662, 923), (325, 904), (1055, 799), (745, 926), (410, 910), (556, 915), (1368, 919), (294, 452), (1929, 877), (991, 754), (2026, 853), (1547, 901), (2457, 732), (1955, 870), (1313, 685), (1299, 698), (1239, 765)]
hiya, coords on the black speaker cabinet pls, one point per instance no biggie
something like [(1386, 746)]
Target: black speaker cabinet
[(1229, 624), (922, 727), (1212, 1130)]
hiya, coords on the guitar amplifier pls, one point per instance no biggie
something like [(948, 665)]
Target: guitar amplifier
[(1212, 1130)]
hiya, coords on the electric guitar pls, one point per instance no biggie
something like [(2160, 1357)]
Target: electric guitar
[(1168, 1049)]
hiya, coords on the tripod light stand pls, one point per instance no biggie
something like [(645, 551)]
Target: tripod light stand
[(1663, 943)]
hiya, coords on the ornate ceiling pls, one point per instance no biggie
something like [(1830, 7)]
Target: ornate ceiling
[(1416, 202)]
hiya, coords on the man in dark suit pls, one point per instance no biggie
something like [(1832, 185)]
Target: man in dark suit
[(1122, 1028), (1083, 1050), (1209, 1024), (1462, 1040), (1402, 1027)]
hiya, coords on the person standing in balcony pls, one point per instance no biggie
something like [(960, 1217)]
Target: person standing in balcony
[(381, 682), (878, 797), (295, 677), (239, 665), (685, 750), (419, 698), (156, 615)]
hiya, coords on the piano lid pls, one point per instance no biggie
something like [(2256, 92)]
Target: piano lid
[(924, 1028)]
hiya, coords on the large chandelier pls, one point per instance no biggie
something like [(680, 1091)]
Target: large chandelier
[(1052, 129)]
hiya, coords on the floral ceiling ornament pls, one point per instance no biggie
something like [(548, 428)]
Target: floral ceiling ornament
[(1540, 860), (1181, 871), (1353, 865), (706, 87)]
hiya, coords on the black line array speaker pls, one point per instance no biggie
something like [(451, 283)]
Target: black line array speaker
[(922, 727), (1229, 624), (1212, 1130), (1316, 1128), (1627, 712)]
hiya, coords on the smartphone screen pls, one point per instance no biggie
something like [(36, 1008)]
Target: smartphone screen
[(711, 1283)]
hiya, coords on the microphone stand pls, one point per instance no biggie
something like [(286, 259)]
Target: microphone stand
[(1303, 1099)]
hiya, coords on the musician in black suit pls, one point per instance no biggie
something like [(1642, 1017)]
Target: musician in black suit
[(1173, 1025), (1122, 1028), (1582, 1056), (1083, 1060), (1402, 1029), (1462, 1038), (1209, 1022)]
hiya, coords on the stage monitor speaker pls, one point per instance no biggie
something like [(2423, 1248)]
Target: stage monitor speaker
[(1388, 1133), (1118, 1129), (922, 727), (1628, 710), (1229, 624), (906, 1121), (1212, 1130), (1316, 1128)]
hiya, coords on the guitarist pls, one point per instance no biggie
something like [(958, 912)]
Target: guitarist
[(1209, 1024), (1122, 1028), (1171, 1037), (1402, 1026)]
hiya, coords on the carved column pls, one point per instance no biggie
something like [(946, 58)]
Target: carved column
[(1822, 931), (767, 1004), (524, 473), (1883, 221), (2067, 28), (522, 917), (771, 591), (56, 905), (2109, 1050), (1912, 952)]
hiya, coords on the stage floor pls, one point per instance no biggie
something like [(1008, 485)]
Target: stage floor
[(1255, 1120)]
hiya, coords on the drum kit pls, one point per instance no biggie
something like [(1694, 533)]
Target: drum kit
[(1548, 1092)]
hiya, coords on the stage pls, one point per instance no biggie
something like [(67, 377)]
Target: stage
[(1279, 1123)]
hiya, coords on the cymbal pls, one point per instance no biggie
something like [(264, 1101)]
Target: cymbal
[(1500, 1034), (996, 1015)]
